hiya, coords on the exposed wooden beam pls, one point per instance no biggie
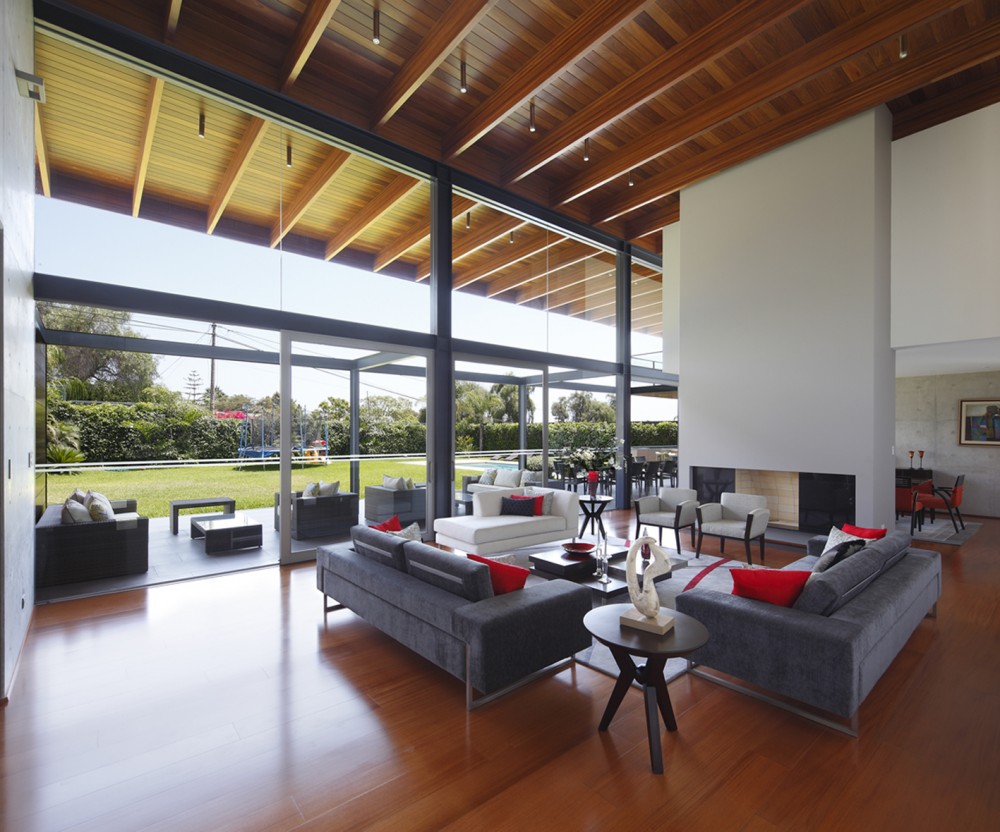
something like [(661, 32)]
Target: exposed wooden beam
[(889, 81), (691, 55), (417, 234), (564, 280), (520, 250), (310, 192), (310, 30), (399, 187), (447, 33), (170, 21), (41, 155), (251, 140), (481, 234), (665, 212), (821, 55), (941, 108), (146, 146), (555, 262), (601, 19)]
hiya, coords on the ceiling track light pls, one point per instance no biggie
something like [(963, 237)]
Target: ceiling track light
[(468, 219), (512, 238), (586, 149), (531, 118), (631, 179), (376, 27), (288, 155), (463, 86), (904, 49), (201, 125)]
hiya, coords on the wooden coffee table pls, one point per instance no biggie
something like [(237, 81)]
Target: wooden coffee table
[(686, 636)]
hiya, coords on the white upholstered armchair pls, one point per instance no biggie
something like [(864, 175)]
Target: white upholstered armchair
[(738, 517), (672, 508)]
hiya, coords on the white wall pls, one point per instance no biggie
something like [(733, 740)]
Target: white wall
[(927, 410), (17, 216), (784, 336), (945, 238), (671, 298)]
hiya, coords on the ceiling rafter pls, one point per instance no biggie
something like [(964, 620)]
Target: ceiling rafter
[(520, 250), (399, 187), (334, 163), (601, 20), (310, 30), (41, 155), (146, 145), (821, 55), (420, 231), (171, 19), (574, 277), (888, 82), (446, 34), (555, 262), (481, 234), (940, 108), (251, 140), (666, 212), (689, 56)]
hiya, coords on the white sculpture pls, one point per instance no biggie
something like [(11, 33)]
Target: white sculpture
[(645, 599)]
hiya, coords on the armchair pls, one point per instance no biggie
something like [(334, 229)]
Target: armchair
[(737, 517), (329, 516), (947, 498), (673, 508)]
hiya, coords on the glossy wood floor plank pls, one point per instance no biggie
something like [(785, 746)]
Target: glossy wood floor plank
[(232, 703)]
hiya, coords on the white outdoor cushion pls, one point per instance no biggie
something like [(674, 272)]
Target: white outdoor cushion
[(75, 512), (99, 506), (508, 478), (394, 483), (411, 532), (327, 489), (311, 489), (78, 496)]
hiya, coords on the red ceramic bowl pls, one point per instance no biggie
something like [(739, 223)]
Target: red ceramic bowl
[(578, 548)]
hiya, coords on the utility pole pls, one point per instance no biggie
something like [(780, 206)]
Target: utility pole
[(211, 379)]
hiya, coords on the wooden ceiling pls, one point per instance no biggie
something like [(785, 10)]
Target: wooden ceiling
[(633, 100)]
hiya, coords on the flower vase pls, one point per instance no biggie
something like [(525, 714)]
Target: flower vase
[(592, 478)]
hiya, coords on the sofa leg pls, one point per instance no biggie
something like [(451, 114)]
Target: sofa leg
[(330, 607), (472, 702)]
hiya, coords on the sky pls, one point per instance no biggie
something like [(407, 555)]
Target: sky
[(83, 242)]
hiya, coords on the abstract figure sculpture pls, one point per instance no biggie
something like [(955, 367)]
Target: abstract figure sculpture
[(646, 615)]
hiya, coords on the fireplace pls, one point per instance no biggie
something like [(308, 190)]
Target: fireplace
[(802, 500)]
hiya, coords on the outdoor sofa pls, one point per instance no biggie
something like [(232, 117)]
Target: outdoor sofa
[(442, 606), (830, 648), (328, 516), (408, 504)]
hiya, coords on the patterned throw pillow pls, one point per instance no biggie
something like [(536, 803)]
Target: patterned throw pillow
[(522, 508), (311, 489), (411, 532), (488, 476), (409, 484), (836, 537), (98, 506)]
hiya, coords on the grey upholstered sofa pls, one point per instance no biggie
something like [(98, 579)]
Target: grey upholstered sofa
[(72, 552), (830, 648), (442, 606)]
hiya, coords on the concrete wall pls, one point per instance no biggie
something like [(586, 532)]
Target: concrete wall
[(784, 336), (17, 217), (927, 410), (945, 244)]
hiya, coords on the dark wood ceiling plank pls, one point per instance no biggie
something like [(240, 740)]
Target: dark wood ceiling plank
[(41, 155), (171, 18), (310, 30), (446, 34), (665, 212), (686, 58), (890, 81), (418, 233), (601, 19), (520, 250), (309, 193), (146, 145), (252, 138), (941, 108), (808, 61), (398, 189), (480, 235)]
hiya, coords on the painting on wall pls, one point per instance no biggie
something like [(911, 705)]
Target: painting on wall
[(979, 423)]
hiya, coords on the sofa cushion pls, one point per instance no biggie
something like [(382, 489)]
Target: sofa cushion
[(79, 495), (508, 478), (411, 532), (449, 572), (861, 531), (505, 577), (775, 586), (837, 554), (517, 505), (725, 528), (546, 495), (390, 525), (836, 537), (488, 476), (487, 503), (393, 483), (311, 489), (75, 512), (99, 506), (479, 530), (537, 503), (380, 547), (327, 489)]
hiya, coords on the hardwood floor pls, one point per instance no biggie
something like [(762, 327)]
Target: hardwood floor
[(228, 704)]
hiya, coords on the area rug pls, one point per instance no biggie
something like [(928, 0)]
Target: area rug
[(941, 531)]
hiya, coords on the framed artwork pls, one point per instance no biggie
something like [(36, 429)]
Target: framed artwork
[(979, 422)]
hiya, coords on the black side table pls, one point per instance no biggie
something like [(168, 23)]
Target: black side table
[(686, 636), (593, 508)]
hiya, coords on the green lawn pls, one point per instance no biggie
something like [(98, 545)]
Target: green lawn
[(153, 489)]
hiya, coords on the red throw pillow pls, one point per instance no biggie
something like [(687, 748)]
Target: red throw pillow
[(505, 577), (390, 525), (538, 502), (776, 586), (867, 534)]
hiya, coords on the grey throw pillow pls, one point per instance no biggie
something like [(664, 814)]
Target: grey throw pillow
[(545, 495)]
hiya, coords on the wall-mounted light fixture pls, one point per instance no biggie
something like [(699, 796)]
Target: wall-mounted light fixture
[(531, 118), (376, 28), (201, 125), (463, 85), (904, 49), (30, 86)]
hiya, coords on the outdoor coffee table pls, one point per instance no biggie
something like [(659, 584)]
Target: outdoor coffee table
[(227, 504), (686, 636), (227, 532)]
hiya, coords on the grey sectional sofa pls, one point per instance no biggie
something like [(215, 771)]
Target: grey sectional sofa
[(830, 648), (442, 606)]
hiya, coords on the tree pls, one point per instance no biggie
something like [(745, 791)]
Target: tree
[(383, 410), (109, 375), (508, 396), (193, 385), (583, 407)]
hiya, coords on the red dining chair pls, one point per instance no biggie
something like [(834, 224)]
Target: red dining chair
[(947, 498)]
